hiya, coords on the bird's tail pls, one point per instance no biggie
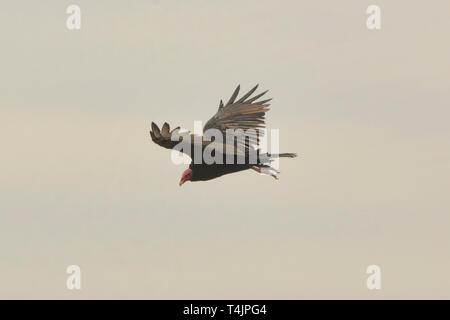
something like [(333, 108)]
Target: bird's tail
[(264, 158), (269, 157), (282, 155)]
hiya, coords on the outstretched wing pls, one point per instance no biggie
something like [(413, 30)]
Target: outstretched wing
[(169, 139), (245, 113), (164, 137)]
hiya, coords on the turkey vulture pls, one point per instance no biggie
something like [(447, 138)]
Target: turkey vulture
[(244, 118)]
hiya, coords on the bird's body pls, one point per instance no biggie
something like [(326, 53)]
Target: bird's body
[(204, 171), (245, 119)]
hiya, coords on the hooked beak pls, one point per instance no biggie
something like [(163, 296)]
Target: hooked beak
[(186, 176)]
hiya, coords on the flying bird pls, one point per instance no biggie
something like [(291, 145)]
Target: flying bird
[(245, 117)]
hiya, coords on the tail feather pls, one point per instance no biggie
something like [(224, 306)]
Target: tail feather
[(268, 157), (282, 155), (264, 168)]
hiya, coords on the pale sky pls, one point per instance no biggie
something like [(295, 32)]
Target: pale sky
[(81, 183)]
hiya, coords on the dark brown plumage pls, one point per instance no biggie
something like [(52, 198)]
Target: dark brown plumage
[(246, 114)]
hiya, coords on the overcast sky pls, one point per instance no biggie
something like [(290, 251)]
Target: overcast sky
[(81, 182)]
